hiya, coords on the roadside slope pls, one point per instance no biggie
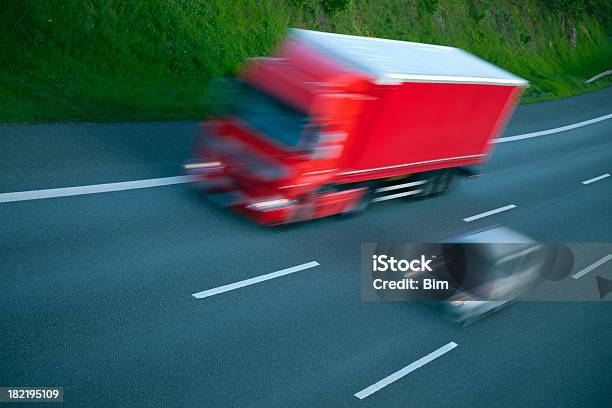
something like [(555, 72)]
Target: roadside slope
[(79, 60)]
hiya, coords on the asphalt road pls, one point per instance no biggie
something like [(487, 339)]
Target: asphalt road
[(97, 289)]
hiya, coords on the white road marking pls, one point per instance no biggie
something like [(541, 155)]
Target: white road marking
[(397, 195), (166, 181), (589, 268), (399, 186), (93, 189), (594, 179), (405, 371), (596, 77), (252, 281), (486, 214), (551, 131)]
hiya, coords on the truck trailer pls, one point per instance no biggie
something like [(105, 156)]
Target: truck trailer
[(331, 123)]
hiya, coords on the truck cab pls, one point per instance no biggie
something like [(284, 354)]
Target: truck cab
[(277, 137)]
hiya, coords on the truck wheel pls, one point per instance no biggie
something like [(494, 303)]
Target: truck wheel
[(446, 180), (429, 187), (438, 182)]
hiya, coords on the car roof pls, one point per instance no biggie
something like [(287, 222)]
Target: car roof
[(392, 61), (495, 235), (497, 242)]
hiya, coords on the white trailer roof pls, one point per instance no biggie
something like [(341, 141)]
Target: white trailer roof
[(392, 61)]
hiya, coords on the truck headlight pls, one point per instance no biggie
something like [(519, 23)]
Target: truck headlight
[(205, 165), (271, 204)]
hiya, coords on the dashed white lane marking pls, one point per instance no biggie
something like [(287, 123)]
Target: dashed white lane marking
[(93, 189), (252, 281), (551, 131), (405, 371), (589, 268), (487, 213), (594, 179)]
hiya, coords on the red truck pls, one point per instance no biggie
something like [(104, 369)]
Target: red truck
[(331, 123)]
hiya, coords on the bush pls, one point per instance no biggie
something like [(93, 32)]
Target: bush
[(333, 7), (428, 6), (297, 3), (574, 8)]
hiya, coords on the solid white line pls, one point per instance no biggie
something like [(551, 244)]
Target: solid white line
[(406, 370), (486, 214), (398, 186), (252, 281), (596, 77), (398, 195), (589, 181), (93, 189), (592, 266), (551, 131), (166, 181)]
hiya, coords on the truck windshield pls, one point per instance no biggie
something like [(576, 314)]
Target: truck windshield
[(270, 116)]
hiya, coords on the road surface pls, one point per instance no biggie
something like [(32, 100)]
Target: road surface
[(97, 289)]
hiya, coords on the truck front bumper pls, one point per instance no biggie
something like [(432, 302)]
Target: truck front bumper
[(271, 216), (263, 209)]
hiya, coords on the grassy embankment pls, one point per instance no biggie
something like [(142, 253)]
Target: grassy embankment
[(112, 60)]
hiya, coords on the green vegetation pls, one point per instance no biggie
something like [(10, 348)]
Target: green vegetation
[(99, 60)]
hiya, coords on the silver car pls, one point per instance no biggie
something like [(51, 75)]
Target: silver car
[(500, 265)]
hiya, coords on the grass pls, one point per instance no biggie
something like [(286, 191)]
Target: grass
[(112, 60)]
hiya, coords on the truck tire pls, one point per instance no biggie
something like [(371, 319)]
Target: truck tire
[(446, 181), (438, 183), (429, 187)]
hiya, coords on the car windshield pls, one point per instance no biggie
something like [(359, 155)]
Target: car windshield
[(271, 117)]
